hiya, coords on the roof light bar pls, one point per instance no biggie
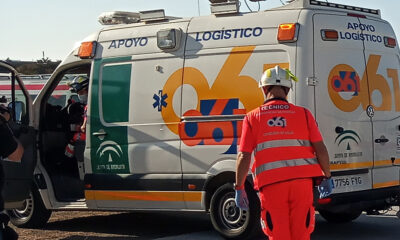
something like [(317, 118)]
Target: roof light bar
[(225, 7), (341, 6), (118, 17), (152, 15)]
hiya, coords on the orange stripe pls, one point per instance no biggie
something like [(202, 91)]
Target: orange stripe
[(386, 184), (192, 196), (378, 163), (397, 161), (383, 163), (144, 196), (351, 165)]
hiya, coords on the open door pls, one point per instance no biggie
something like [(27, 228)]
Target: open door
[(18, 176)]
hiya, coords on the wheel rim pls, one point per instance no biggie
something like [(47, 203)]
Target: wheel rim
[(26, 211), (232, 217)]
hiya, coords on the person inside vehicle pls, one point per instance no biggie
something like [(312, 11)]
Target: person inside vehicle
[(77, 118), (11, 149)]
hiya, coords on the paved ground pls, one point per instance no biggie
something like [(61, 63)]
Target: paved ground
[(184, 226)]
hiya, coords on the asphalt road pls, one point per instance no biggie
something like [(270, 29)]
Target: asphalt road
[(185, 226)]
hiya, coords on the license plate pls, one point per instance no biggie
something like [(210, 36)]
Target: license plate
[(351, 183)]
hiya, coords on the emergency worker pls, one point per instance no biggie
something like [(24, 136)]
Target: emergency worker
[(289, 152), (11, 149), (77, 118)]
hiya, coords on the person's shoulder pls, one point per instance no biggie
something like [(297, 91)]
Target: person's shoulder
[(253, 113)]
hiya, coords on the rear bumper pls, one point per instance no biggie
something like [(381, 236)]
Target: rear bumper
[(375, 199)]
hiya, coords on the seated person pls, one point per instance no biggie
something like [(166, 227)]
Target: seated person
[(77, 118)]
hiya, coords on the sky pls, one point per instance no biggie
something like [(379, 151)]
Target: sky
[(31, 27)]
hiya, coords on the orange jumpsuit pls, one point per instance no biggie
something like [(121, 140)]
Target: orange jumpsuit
[(281, 136)]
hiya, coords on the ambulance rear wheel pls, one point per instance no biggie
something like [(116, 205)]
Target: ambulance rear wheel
[(230, 221), (340, 217), (33, 213)]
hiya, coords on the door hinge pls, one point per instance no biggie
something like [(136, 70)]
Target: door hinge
[(312, 81)]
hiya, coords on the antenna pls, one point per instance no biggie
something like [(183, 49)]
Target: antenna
[(198, 6)]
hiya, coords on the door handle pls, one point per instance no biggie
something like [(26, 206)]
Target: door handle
[(98, 134), (381, 140)]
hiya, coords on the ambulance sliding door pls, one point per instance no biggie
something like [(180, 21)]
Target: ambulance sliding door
[(135, 157), (383, 66), (341, 97)]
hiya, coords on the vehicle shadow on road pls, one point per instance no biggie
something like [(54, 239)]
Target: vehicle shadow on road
[(131, 225), (378, 227)]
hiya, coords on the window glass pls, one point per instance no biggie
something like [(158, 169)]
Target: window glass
[(115, 87)]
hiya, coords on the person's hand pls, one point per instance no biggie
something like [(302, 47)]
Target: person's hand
[(4, 113), (83, 128), (326, 187), (241, 199), (5, 116)]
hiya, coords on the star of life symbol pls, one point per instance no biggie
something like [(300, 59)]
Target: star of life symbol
[(159, 102)]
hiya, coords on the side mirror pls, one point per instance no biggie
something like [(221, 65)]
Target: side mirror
[(19, 110)]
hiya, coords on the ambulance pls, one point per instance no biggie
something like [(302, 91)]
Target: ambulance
[(166, 101)]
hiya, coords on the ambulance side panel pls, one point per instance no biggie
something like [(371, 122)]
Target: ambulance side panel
[(135, 158), (225, 58)]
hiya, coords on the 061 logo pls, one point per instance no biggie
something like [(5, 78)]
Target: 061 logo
[(277, 122)]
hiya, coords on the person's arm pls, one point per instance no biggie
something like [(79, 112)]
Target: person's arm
[(17, 154), (242, 167), (10, 147), (323, 157), (318, 144), (83, 127), (246, 147)]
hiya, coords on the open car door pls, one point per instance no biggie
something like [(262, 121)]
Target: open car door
[(18, 175)]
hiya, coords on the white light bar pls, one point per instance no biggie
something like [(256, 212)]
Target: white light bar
[(342, 6), (152, 15), (118, 17), (225, 7)]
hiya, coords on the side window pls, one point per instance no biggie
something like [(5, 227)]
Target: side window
[(61, 94), (115, 87), (61, 106)]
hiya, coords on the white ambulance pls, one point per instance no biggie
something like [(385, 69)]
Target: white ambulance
[(167, 97)]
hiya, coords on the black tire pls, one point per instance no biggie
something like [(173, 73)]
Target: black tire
[(230, 221), (340, 217), (33, 214)]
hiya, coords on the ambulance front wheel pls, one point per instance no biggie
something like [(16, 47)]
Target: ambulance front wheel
[(33, 213), (229, 220)]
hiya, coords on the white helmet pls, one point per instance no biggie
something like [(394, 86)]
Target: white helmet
[(277, 77)]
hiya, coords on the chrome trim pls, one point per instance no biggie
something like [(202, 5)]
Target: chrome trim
[(215, 118)]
